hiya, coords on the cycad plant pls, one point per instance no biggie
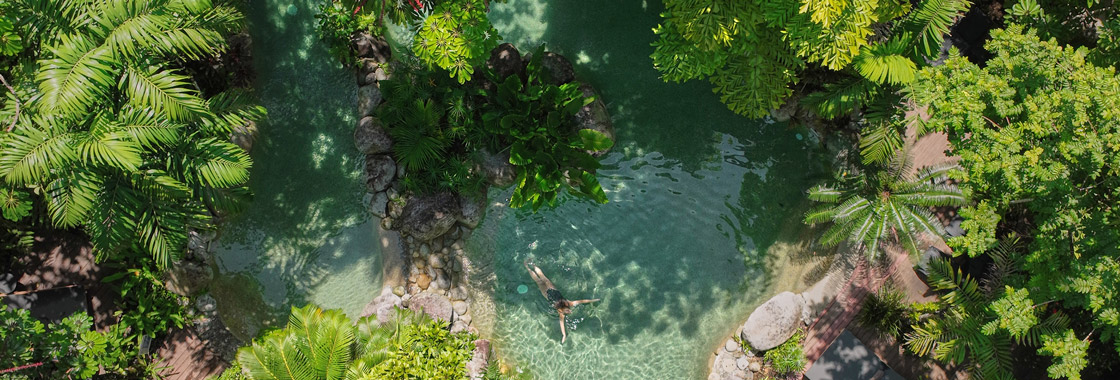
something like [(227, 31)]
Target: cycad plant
[(113, 135), (326, 345), (871, 207), (977, 325)]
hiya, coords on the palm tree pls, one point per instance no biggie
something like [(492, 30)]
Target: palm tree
[(870, 207), (976, 324), (115, 137), (326, 345)]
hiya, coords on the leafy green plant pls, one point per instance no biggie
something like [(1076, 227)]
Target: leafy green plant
[(457, 37), (145, 304), (787, 357), (886, 311), (67, 349), (337, 25), (10, 42), (549, 153), (117, 140), (868, 208), (318, 344)]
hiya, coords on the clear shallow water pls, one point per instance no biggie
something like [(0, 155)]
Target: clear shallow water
[(308, 236), (704, 214)]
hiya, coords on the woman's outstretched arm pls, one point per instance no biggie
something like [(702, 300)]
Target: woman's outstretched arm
[(584, 301)]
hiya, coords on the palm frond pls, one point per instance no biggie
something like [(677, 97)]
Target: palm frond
[(823, 193), (231, 109), (29, 154), (79, 76), (164, 91), (148, 128), (48, 20), (214, 163), (71, 196), (885, 63), (880, 142), (841, 98), (128, 26), (930, 21)]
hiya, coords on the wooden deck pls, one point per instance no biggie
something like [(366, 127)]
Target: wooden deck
[(61, 258), (187, 357)]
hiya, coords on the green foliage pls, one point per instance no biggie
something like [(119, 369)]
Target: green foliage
[(1107, 52), (787, 357), (10, 42), (146, 305), (67, 349), (318, 344), (1069, 354), (457, 37), (115, 138), (868, 208), (754, 51), (337, 24), (978, 327), (438, 125), (14, 204), (886, 311), (1038, 135), (535, 116)]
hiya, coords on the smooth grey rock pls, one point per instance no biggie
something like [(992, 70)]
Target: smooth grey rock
[(742, 362), (429, 216), (368, 99), (370, 71), (458, 293), (434, 305), (558, 67), (773, 322), (377, 205), (207, 306), (594, 116), (459, 307), (458, 326), (371, 137), (471, 210), (435, 261), (505, 60), (188, 278), (398, 290), (754, 366), (379, 171), (495, 167), (732, 346), (244, 135), (442, 281)]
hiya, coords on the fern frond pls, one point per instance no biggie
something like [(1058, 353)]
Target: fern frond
[(78, 77), (164, 91)]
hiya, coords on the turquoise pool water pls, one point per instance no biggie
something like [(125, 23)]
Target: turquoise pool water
[(308, 236), (704, 214)]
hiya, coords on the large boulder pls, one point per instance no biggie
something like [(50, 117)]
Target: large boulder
[(559, 68), (383, 306), (594, 116), (773, 322), (188, 278), (369, 96), (495, 167), (366, 45), (505, 60), (380, 170), (426, 217), (434, 305), (371, 137)]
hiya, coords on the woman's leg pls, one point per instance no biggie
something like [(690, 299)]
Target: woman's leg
[(542, 282)]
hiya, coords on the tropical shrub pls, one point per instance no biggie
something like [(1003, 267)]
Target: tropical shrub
[(318, 344), (145, 304), (886, 311), (977, 325), (438, 125), (67, 349), (754, 51), (112, 136), (883, 202), (788, 356), (1038, 133), (337, 25)]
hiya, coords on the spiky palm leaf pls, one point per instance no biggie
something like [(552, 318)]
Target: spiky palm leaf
[(50, 19), (870, 208), (164, 91), (79, 76), (29, 154), (316, 344), (884, 63), (842, 97), (930, 21), (879, 143)]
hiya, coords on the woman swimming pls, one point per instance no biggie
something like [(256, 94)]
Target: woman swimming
[(562, 305)]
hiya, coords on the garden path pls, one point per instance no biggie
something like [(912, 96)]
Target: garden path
[(187, 357)]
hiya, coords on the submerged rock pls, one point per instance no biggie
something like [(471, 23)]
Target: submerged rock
[(594, 116), (380, 170), (774, 321), (371, 137), (188, 278), (244, 135), (495, 167), (558, 67), (427, 217), (378, 205)]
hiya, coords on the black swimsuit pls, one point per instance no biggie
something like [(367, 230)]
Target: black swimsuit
[(554, 297)]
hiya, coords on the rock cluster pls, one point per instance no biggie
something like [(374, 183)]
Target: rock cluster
[(733, 363), (768, 326)]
